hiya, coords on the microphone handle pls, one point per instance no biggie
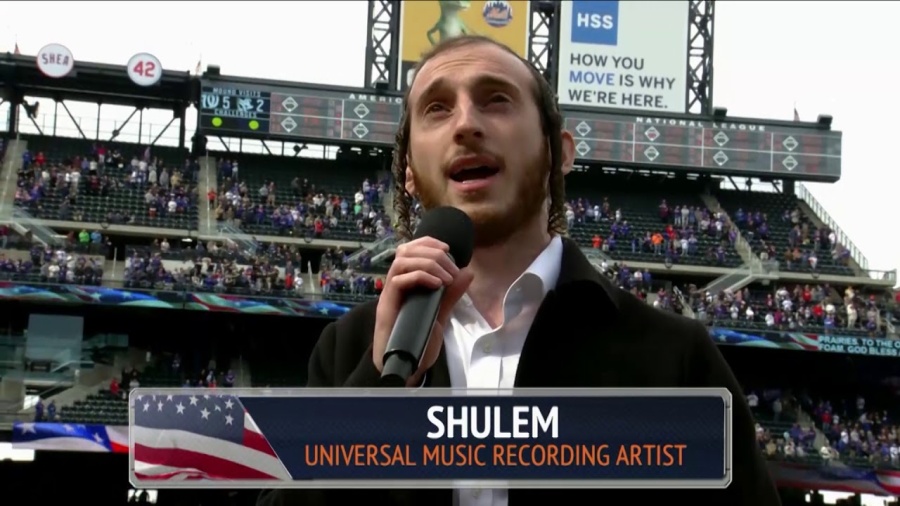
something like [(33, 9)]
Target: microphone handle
[(409, 336)]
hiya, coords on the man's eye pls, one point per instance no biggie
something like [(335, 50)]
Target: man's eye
[(434, 108)]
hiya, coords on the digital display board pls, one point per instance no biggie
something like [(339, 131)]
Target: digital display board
[(627, 140), (720, 146), (298, 113)]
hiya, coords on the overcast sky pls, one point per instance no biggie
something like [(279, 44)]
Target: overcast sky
[(834, 57)]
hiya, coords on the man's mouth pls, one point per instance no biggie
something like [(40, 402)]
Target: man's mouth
[(474, 174)]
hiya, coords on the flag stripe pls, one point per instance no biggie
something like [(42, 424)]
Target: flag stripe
[(217, 468), (258, 442), (73, 444), (151, 446), (208, 436), (253, 437), (153, 472), (174, 476)]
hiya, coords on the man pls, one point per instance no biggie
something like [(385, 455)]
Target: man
[(481, 132)]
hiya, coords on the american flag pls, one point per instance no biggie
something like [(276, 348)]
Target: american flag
[(200, 437), (70, 437)]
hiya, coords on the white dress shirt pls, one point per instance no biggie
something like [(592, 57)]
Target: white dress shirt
[(479, 356)]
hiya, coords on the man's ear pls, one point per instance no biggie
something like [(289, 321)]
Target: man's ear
[(410, 180), (568, 152)]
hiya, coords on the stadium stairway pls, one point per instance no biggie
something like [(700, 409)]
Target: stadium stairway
[(817, 214), (87, 383), (113, 272), (804, 419), (741, 245), (752, 269), (207, 179), (241, 368), (12, 162)]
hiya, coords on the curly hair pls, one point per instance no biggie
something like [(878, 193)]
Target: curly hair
[(551, 126)]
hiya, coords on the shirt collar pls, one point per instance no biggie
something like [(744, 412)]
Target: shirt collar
[(547, 265)]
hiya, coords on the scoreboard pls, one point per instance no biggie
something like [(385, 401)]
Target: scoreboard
[(725, 147), (303, 114), (740, 148)]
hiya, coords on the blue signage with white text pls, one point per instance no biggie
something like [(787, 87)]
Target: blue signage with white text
[(595, 22)]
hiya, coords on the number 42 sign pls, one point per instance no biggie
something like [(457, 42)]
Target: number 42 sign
[(144, 69)]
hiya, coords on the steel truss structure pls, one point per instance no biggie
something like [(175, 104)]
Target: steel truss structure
[(96, 83), (382, 53)]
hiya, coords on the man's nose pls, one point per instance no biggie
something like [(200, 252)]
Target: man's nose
[(469, 126)]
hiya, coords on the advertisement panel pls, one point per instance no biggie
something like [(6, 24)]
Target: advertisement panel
[(624, 55), (425, 23)]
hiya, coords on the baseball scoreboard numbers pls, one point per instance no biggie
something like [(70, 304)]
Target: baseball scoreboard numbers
[(308, 114), (304, 114), (235, 109)]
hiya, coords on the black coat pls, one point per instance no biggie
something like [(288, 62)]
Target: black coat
[(587, 333)]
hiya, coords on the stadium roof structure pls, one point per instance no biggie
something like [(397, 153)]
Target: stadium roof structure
[(93, 82)]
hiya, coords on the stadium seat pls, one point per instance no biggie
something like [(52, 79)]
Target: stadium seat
[(328, 178), (106, 408), (114, 193), (639, 199), (776, 208)]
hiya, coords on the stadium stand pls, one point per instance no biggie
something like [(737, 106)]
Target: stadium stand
[(301, 197), (805, 403), (273, 270), (778, 229), (814, 308), (109, 406), (80, 260), (115, 183), (648, 222)]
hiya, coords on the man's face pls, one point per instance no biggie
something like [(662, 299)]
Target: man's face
[(476, 141)]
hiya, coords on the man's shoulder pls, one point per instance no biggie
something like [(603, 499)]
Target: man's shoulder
[(656, 325), (342, 346), (352, 332), (359, 316)]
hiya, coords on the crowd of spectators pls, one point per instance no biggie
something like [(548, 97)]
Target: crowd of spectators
[(680, 232), (106, 172), (815, 307), (860, 433), (805, 241), (109, 405), (303, 211), (74, 262), (812, 307), (164, 370), (270, 270), (308, 212), (830, 430), (338, 276)]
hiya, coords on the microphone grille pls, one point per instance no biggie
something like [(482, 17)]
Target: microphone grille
[(453, 227)]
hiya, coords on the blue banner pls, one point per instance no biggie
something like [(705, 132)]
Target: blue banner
[(319, 438)]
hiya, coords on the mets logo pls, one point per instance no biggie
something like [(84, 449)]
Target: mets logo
[(497, 13)]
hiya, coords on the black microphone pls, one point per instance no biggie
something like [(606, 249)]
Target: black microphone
[(418, 313)]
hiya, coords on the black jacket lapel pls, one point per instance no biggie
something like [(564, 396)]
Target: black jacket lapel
[(562, 348)]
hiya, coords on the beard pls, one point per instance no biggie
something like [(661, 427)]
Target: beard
[(495, 224)]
